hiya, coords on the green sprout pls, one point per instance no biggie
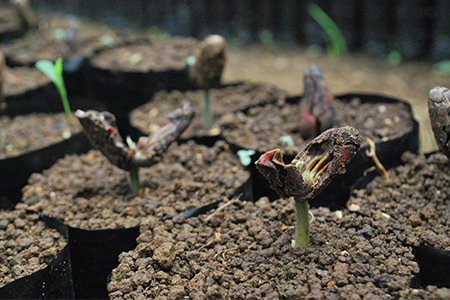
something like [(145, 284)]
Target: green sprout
[(54, 72), (245, 156), (337, 46)]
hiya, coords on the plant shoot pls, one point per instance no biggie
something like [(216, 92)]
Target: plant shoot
[(55, 73), (310, 172), (206, 71), (101, 129), (317, 108), (337, 46), (439, 111)]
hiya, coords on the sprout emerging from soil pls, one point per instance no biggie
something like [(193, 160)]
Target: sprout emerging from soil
[(25, 14), (310, 171), (317, 109), (101, 129), (439, 112), (206, 72), (55, 73)]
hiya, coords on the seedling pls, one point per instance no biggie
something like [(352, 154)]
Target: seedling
[(337, 46), (317, 108), (439, 111), (55, 73), (101, 129), (310, 172), (206, 70), (245, 156)]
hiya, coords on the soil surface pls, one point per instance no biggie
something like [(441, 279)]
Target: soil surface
[(263, 127), (88, 192), (22, 79), (24, 133), (243, 251), (233, 97), (48, 41), (284, 65), (26, 244), (9, 20), (415, 200), (155, 55)]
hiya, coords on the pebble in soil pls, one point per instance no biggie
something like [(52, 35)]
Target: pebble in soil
[(26, 244), (244, 252), (88, 192)]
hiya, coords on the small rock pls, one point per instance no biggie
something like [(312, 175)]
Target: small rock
[(164, 255)]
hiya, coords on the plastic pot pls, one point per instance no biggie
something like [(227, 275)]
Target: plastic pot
[(124, 88), (360, 170)]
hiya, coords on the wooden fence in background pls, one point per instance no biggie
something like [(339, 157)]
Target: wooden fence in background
[(416, 28)]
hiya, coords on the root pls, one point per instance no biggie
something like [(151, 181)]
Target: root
[(372, 154)]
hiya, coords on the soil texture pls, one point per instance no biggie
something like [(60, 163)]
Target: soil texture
[(243, 251), (26, 244), (155, 55), (228, 98), (58, 36), (90, 193), (25, 133), (262, 127), (415, 200), (9, 21), (21, 79)]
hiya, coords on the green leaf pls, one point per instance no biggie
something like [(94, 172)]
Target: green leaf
[(338, 45), (48, 68), (245, 156), (288, 140)]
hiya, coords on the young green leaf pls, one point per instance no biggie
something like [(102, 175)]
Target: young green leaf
[(338, 46)]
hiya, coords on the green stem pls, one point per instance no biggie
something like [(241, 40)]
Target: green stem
[(207, 114), (302, 223), (63, 92), (134, 177)]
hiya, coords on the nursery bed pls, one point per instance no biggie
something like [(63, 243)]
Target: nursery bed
[(88, 192), (26, 244), (261, 127), (244, 251), (228, 98), (414, 200)]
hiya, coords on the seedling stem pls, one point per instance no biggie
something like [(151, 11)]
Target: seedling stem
[(302, 223), (207, 114)]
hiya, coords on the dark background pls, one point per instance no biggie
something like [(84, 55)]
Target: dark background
[(418, 29)]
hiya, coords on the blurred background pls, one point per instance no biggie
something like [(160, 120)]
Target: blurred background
[(397, 48)]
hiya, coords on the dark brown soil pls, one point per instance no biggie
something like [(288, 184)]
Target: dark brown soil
[(9, 20), (23, 79), (228, 98), (29, 132), (414, 201), (155, 55), (26, 244), (244, 252), (42, 43), (262, 127), (88, 192)]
